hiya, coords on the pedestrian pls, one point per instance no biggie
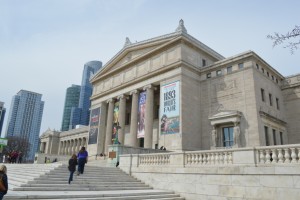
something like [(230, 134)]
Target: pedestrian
[(20, 157), (3, 179), (72, 166), (82, 159)]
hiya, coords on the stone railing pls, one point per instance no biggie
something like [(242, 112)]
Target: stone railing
[(222, 157), (154, 159), (254, 156), (282, 154)]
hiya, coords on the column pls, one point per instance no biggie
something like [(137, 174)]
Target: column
[(134, 118), (109, 124), (149, 117), (122, 116), (42, 147)]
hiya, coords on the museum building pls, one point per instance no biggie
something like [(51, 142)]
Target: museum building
[(176, 92)]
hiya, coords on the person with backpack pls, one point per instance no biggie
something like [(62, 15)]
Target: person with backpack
[(72, 166), (3, 181)]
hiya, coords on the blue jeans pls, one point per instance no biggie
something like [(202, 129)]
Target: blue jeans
[(81, 163), (71, 176)]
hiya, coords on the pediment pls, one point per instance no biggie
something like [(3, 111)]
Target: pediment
[(133, 53), (226, 116)]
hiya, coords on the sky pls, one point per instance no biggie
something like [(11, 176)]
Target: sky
[(44, 44)]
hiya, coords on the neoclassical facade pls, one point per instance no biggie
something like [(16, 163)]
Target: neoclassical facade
[(176, 92)]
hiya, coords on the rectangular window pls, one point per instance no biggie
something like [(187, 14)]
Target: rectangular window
[(277, 103), (203, 62), (208, 75), (281, 138), (228, 136), (276, 80), (274, 137), (263, 70), (241, 65), (229, 69), (267, 136), (219, 73), (257, 66), (272, 77), (271, 99), (268, 74), (262, 91)]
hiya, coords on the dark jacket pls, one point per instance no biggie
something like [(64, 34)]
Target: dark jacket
[(72, 165), (4, 179)]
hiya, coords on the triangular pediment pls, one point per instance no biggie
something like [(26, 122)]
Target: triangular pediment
[(133, 52)]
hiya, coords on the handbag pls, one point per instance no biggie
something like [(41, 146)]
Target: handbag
[(2, 187)]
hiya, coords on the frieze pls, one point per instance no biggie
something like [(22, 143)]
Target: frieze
[(227, 85)]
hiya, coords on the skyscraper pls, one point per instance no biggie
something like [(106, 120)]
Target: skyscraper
[(2, 115), (25, 117), (71, 100), (81, 115)]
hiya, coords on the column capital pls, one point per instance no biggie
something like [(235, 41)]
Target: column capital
[(150, 86), (122, 96), (134, 92), (110, 100)]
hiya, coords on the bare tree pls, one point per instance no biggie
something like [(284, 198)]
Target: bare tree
[(16, 143), (291, 38)]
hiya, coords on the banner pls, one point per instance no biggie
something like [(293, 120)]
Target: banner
[(115, 120), (94, 124), (169, 108), (141, 115)]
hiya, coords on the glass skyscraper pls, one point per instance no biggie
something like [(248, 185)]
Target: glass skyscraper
[(25, 117), (71, 101), (2, 115), (81, 115)]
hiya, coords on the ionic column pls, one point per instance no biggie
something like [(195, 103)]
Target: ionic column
[(122, 116), (59, 148), (149, 117), (65, 148), (134, 119), (78, 145), (109, 124), (42, 147)]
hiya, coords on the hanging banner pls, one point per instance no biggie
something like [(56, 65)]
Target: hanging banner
[(169, 108), (141, 115), (94, 124), (115, 120)]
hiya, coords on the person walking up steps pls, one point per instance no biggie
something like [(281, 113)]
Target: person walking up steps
[(4, 182), (72, 167), (82, 159)]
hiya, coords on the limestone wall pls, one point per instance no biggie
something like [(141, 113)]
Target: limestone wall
[(248, 173)]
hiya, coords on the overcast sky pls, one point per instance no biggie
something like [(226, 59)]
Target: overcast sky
[(45, 43)]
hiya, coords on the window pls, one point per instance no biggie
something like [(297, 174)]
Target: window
[(257, 66), (276, 80), (203, 62), (208, 75), (268, 74), (219, 73), (267, 136), (272, 77), (281, 138), (270, 98), (241, 65), (277, 103), (127, 119), (262, 91), (229, 69), (263, 70), (228, 136), (274, 136)]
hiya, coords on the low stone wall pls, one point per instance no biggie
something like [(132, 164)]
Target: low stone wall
[(50, 158), (248, 173)]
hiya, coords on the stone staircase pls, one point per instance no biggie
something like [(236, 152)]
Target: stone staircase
[(50, 181)]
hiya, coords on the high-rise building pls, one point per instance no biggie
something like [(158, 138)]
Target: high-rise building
[(25, 117), (71, 100), (81, 114), (2, 115)]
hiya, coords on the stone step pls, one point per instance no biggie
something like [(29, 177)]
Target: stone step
[(81, 188), (101, 195)]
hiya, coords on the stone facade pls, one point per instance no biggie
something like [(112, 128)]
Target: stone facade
[(234, 102)]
